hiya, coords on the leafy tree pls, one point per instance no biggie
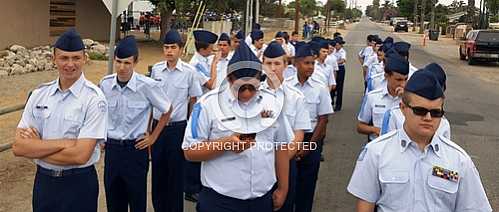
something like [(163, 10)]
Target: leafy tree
[(307, 7)]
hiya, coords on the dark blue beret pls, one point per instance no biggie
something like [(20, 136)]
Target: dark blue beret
[(274, 50), (172, 37), (397, 64), (256, 35), (126, 48), (402, 48), (224, 37), (244, 62), (424, 83), (240, 35), (439, 72), (304, 50), (205, 36), (70, 41)]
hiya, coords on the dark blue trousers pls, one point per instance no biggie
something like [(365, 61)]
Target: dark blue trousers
[(168, 169), (338, 93), (192, 172), (76, 191), (211, 201), (125, 176), (306, 178), (290, 198)]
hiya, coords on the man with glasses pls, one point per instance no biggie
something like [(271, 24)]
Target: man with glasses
[(394, 119), (377, 102), (414, 168)]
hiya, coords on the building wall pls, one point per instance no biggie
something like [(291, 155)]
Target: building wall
[(93, 19), (24, 22)]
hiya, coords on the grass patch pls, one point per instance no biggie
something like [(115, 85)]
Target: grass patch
[(96, 56)]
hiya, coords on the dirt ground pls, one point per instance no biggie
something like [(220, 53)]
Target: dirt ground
[(16, 174)]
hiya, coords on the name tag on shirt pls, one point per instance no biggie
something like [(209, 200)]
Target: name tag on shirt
[(380, 106), (445, 173), (228, 119)]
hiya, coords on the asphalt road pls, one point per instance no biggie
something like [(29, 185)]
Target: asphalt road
[(472, 107)]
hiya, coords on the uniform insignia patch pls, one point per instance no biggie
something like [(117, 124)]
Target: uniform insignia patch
[(102, 106), (445, 173)]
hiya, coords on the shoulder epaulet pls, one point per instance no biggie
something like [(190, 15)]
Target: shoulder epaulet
[(294, 90), (46, 84), (386, 136), (314, 80), (452, 145), (375, 91), (268, 91), (93, 87)]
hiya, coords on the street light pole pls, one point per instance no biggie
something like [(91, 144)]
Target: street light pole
[(112, 37)]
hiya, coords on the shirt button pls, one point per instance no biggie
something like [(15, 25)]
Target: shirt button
[(403, 143), (437, 148)]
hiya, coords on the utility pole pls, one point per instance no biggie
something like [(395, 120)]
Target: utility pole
[(421, 28), (297, 15), (415, 21)]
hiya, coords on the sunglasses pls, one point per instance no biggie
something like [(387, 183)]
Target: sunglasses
[(247, 87), (421, 111)]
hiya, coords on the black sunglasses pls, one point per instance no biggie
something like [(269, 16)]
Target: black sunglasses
[(421, 111)]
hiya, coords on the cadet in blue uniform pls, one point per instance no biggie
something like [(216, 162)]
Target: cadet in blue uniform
[(341, 56), (413, 168), (322, 70), (237, 39), (318, 104), (61, 125), (402, 48), (221, 59), (177, 79), (394, 119), (236, 132), (202, 58), (257, 43), (274, 63), (377, 102), (130, 97)]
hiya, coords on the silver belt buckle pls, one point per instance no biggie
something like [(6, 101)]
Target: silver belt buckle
[(57, 173)]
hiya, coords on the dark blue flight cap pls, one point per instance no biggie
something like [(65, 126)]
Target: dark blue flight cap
[(256, 26), (240, 35), (315, 46), (70, 41), (324, 44), (439, 72), (304, 50), (425, 84), (224, 37), (126, 48), (205, 36), (299, 43), (317, 39), (336, 34), (339, 40), (274, 50), (332, 42), (256, 35), (279, 35), (388, 42), (244, 63), (402, 48), (172, 37), (397, 64)]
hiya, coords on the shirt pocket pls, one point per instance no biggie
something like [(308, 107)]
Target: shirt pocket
[(443, 192), (134, 110), (112, 107), (180, 90), (378, 113), (73, 121), (312, 102), (395, 185)]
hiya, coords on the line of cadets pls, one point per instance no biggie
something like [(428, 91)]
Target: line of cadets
[(247, 102), (409, 162), (242, 107)]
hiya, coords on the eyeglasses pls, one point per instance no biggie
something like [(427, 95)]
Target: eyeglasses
[(421, 111)]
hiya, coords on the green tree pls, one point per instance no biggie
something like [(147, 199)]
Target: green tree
[(307, 7)]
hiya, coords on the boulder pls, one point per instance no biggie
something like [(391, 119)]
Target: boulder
[(3, 73), (4, 53), (30, 68), (16, 48), (17, 69), (99, 48), (88, 42)]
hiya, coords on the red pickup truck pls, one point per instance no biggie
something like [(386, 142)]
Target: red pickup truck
[(480, 45)]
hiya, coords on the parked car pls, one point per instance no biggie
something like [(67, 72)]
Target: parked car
[(480, 45), (401, 26)]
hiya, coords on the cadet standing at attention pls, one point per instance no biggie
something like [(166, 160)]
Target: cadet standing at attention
[(274, 63), (394, 119), (61, 125), (221, 59), (177, 79), (341, 56), (377, 102), (130, 97), (202, 61), (318, 104), (236, 132), (413, 168)]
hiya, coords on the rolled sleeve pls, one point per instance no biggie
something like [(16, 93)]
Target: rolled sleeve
[(284, 133), (364, 183), (27, 119), (365, 113), (195, 89), (95, 122), (302, 120)]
